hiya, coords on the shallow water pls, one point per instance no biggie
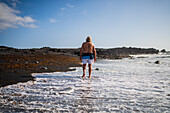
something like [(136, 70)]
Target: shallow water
[(127, 85)]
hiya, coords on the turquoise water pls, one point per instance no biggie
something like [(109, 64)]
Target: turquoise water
[(125, 86)]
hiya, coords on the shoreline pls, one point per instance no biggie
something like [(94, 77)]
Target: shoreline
[(17, 68), (54, 92), (17, 65)]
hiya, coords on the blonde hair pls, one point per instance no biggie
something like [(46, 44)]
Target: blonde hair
[(88, 39)]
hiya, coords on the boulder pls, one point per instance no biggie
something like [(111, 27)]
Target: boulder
[(163, 51)]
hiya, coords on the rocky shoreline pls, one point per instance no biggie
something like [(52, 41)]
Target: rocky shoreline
[(16, 65), (112, 53)]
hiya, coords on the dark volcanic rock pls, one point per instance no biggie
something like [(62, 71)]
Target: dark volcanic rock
[(119, 53), (44, 68), (72, 69), (157, 62), (163, 51), (16, 65), (112, 53), (97, 69), (53, 50)]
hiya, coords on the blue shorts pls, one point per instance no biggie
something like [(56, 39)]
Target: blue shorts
[(87, 58)]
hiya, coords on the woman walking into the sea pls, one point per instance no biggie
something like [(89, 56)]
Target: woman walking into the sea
[(87, 55)]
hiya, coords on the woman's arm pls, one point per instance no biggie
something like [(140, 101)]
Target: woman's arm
[(94, 51), (81, 50)]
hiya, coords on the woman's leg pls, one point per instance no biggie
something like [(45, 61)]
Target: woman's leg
[(90, 69), (84, 69)]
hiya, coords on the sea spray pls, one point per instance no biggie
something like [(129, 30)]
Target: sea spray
[(127, 85)]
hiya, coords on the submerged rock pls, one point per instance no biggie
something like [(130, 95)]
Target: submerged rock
[(157, 62), (97, 69)]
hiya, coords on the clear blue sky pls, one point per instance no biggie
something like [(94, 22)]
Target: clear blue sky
[(67, 23)]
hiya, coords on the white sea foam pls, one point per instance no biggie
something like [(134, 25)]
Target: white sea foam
[(127, 85)]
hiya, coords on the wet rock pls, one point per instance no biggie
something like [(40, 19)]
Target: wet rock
[(64, 51), (1, 93), (25, 52), (10, 99), (163, 51), (17, 60), (58, 50), (45, 48), (17, 51), (32, 50), (44, 68), (53, 50), (77, 53), (14, 103), (131, 57), (36, 62), (142, 57), (97, 69), (157, 62), (72, 69)]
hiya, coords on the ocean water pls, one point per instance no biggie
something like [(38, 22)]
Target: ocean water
[(120, 86)]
